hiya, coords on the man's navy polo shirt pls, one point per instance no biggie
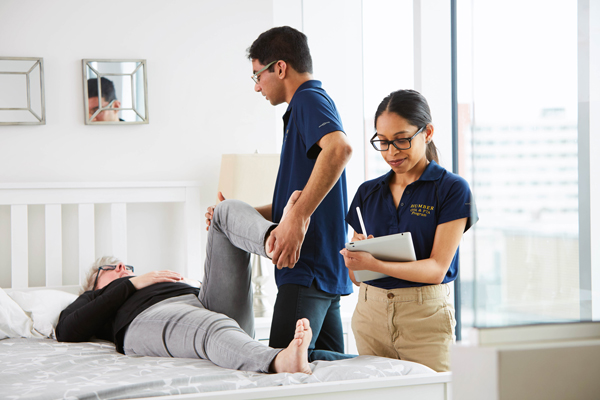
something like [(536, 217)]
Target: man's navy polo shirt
[(438, 196), (311, 115)]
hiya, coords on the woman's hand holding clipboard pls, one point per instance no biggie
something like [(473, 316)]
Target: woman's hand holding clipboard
[(396, 247)]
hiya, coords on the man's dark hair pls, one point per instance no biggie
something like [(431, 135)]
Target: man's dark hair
[(282, 43), (108, 89)]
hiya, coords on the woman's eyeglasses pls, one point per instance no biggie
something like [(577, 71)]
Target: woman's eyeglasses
[(400, 144), (108, 268)]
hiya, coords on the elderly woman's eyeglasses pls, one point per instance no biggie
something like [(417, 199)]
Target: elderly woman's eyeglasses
[(256, 78), (108, 268), (400, 144)]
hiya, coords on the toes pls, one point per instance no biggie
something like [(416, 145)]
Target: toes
[(302, 325), (306, 324)]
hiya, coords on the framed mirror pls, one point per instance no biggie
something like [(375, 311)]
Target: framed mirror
[(115, 92), (22, 91)]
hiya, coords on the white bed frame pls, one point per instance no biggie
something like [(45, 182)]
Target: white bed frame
[(87, 196), (18, 196)]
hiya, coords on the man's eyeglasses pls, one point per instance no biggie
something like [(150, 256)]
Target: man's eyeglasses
[(94, 111), (108, 268), (400, 144), (255, 77)]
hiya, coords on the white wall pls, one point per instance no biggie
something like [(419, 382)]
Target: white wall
[(432, 69), (201, 99)]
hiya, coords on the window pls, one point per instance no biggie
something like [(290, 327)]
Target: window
[(518, 147), (387, 64)]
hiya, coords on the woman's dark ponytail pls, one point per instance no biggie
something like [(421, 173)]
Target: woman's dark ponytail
[(413, 107)]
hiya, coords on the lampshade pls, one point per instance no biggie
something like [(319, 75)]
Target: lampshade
[(249, 177)]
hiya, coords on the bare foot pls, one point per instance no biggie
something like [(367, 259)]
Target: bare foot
[(294, 358)]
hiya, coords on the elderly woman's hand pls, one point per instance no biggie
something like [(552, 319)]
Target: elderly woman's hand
[(153, 277)]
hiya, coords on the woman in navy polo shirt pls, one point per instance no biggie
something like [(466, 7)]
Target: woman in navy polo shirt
[(408, 315)]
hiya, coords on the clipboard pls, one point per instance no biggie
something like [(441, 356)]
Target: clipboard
[(397, 247)]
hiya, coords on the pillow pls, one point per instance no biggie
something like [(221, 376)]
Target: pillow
[(14, 322), (44, 307)]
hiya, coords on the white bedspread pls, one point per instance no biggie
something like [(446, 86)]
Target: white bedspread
[(46, 369)]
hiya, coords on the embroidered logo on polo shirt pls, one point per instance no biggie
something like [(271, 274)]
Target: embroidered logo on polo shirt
[(324, 123), (421, 210)]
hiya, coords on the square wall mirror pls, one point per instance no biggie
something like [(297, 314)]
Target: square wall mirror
[(115, 92), (22, 91)]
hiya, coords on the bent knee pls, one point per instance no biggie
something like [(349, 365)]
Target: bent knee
[(224, 208), (227, 210)]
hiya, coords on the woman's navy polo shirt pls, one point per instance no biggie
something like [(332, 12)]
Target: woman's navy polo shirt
[(438, 196), (311, 115)]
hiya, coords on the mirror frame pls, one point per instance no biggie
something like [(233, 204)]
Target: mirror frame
[(41, 119), (142, 65)]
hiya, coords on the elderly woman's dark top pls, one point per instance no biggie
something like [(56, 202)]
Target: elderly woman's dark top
[(106, 313)]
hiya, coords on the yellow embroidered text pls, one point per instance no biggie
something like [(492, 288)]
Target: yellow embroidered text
[(421, 210)]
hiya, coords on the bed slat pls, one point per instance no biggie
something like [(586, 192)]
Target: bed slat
[(19, 247), (118, 213), (86, 240), (193, 227), (53, 225)]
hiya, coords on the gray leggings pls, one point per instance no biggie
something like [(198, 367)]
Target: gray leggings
[(219, 323)]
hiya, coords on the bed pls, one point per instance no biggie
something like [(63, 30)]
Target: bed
[(50, 233)]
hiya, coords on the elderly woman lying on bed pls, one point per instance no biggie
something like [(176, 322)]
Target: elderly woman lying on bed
[(161, 314)]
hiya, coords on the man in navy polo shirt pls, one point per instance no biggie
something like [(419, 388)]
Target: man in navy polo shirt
[(310, 273)]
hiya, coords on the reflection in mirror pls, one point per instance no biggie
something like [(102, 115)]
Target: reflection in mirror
[(115, 92), (22, 91)]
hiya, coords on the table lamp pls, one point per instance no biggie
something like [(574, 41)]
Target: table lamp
[(251, 178)]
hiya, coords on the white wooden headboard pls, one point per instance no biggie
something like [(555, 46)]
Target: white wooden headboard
[(86, 197)]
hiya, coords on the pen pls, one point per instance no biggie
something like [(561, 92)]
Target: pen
[(362, 224)]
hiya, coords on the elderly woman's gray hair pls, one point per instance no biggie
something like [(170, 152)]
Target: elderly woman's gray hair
[(91, 276)]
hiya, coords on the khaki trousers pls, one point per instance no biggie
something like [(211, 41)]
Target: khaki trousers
[(412, 324)]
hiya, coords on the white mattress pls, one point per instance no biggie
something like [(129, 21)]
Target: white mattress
[(46, 369)]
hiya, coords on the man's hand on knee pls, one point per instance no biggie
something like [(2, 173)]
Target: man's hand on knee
[(285, 242)]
